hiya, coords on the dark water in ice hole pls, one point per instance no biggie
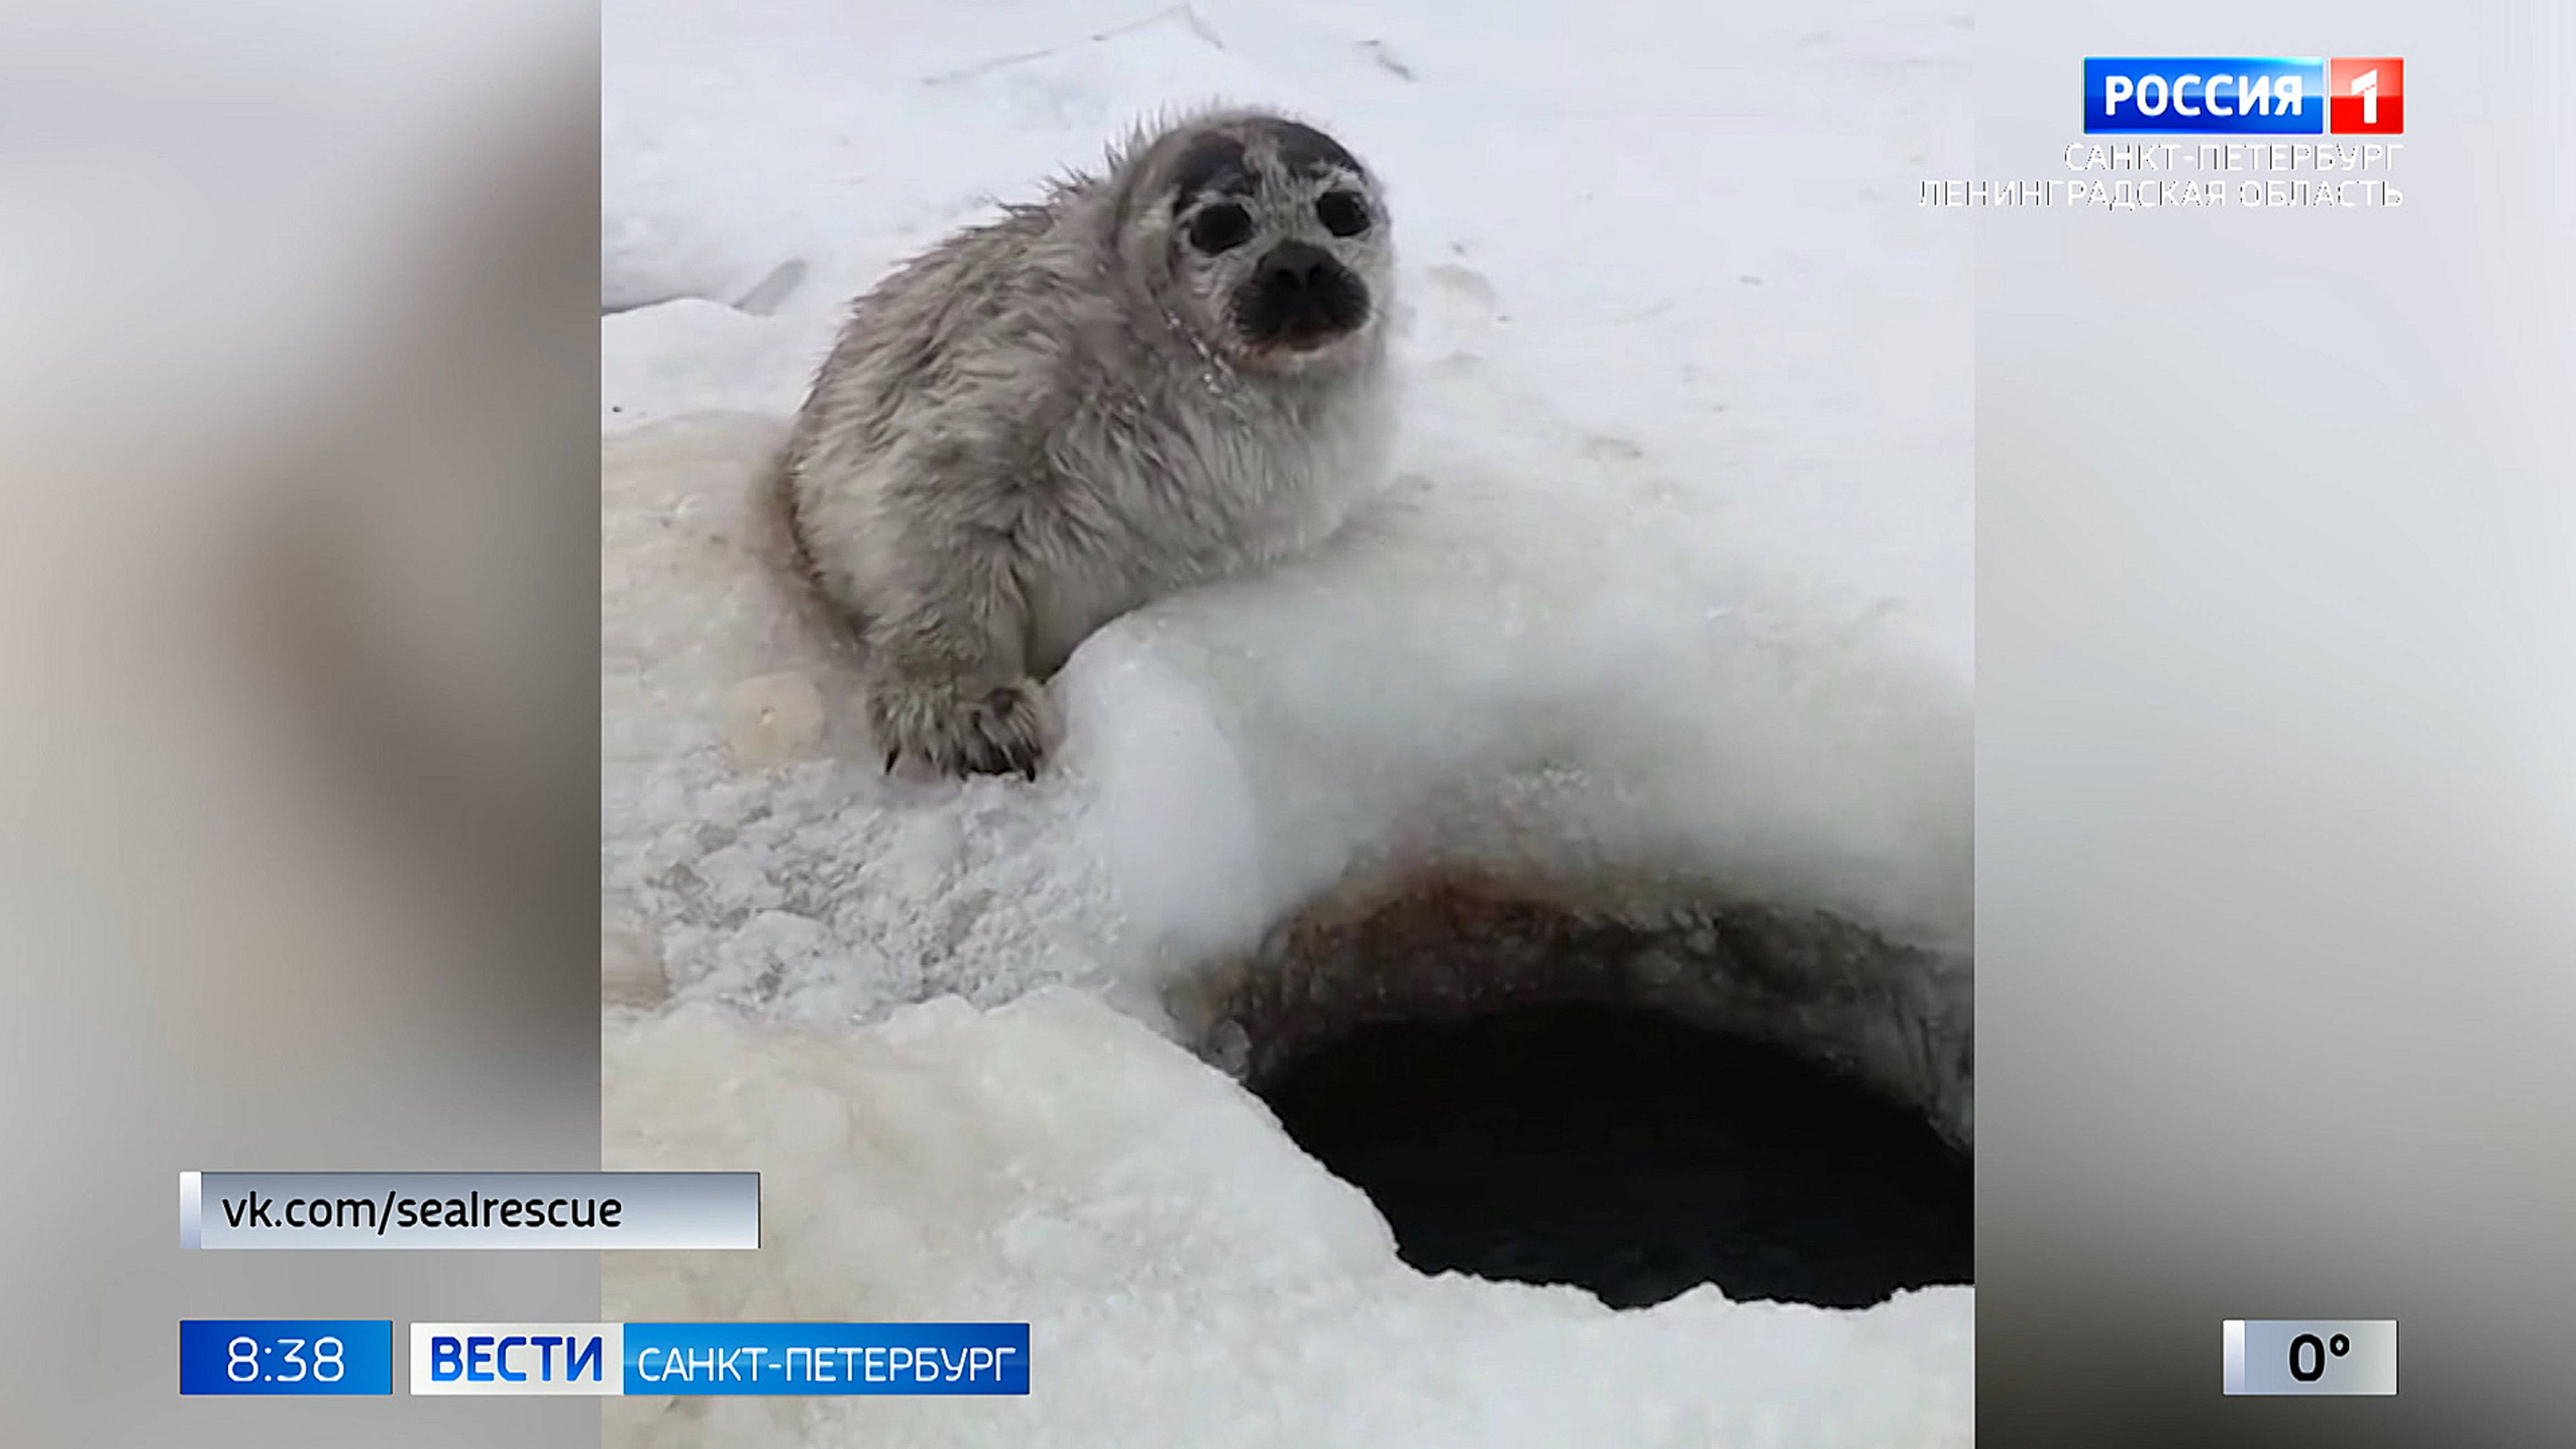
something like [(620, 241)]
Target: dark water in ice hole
[(1635, 1155)]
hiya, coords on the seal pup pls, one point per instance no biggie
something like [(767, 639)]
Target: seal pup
[(1162, 375)]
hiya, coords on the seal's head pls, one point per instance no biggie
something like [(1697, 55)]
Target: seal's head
[(1264, 237)]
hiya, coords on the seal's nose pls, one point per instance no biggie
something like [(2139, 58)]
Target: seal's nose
[(1295, 266)]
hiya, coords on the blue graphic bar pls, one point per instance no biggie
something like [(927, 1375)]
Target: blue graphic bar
[(286, 1356), (826, 1358), (2243, 95)]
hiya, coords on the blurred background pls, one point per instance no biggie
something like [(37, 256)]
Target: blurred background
[(298, 744), (2276, 751)]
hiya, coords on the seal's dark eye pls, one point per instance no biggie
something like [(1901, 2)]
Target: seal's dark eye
[(1221, 227), (1342, 213)]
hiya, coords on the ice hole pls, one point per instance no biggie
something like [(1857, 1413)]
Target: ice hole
[(1773, 1102)]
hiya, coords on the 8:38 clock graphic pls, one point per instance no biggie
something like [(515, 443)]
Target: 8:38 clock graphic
[(286, 1356)]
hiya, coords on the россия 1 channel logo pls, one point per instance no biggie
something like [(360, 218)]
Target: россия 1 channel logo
[(2282, 96)]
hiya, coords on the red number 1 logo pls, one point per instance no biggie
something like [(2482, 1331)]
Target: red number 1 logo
[(2366, 95)]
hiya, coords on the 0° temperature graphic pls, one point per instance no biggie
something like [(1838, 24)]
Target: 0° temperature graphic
[(2297, 1356)]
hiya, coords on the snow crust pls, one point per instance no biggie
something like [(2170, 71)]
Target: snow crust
[(1189, 1276)]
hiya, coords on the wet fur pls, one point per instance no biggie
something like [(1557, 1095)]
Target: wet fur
[(1049, 420)]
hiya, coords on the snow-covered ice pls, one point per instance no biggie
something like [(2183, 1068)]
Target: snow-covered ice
[(1671, 591), (1189, 1276)]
